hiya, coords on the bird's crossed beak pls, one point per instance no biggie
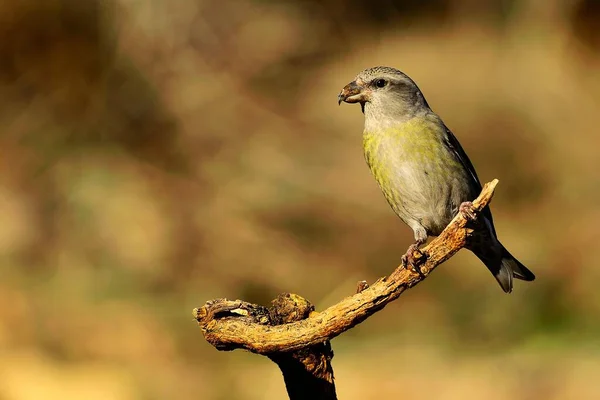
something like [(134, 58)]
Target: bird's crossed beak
[(352, 93)]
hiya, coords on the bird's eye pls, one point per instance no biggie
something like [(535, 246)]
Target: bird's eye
[(380, 83)]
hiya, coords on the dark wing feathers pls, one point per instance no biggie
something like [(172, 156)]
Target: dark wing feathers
[(454, 145)]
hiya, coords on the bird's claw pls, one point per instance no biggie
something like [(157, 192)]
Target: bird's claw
[(467, 211), (410, 259)]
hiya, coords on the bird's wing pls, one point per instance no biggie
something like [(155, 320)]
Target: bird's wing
[(456, 148), (453, 144)]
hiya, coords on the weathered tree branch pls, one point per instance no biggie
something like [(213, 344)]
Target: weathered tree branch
[(297, 338)]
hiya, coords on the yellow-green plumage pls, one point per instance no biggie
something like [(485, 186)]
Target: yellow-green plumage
[(411, 165)]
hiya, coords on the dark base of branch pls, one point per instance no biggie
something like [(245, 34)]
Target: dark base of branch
[(308, 373)]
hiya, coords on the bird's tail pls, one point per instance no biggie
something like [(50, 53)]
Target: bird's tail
[(505, 268)]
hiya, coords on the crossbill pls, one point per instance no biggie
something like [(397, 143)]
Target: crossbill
[(421, 168)]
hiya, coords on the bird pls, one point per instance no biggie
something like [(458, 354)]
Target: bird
[(421, 168)]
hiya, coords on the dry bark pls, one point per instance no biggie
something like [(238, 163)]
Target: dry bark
[(296, 337)]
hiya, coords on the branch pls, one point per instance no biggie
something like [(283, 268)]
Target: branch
[(293, 335)]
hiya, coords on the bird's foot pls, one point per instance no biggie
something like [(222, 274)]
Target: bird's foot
[(467, 210), (414, 261)]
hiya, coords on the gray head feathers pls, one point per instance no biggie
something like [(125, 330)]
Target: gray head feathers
[(392, 94), (375, 72)]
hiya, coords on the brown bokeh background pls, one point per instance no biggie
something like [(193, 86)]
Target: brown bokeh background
[(154, 155)]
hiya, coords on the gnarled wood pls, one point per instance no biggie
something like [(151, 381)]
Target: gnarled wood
[(297, 338)]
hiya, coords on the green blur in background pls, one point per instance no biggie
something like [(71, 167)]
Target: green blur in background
[(156, 154)]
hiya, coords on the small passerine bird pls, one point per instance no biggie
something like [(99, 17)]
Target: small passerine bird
[(421, 168)]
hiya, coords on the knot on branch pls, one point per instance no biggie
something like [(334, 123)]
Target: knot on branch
[(286, 308)]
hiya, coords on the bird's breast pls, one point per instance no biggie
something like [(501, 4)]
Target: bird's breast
[(417, 174)]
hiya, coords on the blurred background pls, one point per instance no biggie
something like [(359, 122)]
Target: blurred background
[(155, 155)]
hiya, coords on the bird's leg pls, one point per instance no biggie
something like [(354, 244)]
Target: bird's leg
[(466, 209), (410, 259)]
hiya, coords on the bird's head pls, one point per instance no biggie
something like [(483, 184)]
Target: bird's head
[(384, 88)]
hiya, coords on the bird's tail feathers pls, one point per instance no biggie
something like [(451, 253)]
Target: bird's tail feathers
[(503, 274), (519, 271), (505, 269)]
